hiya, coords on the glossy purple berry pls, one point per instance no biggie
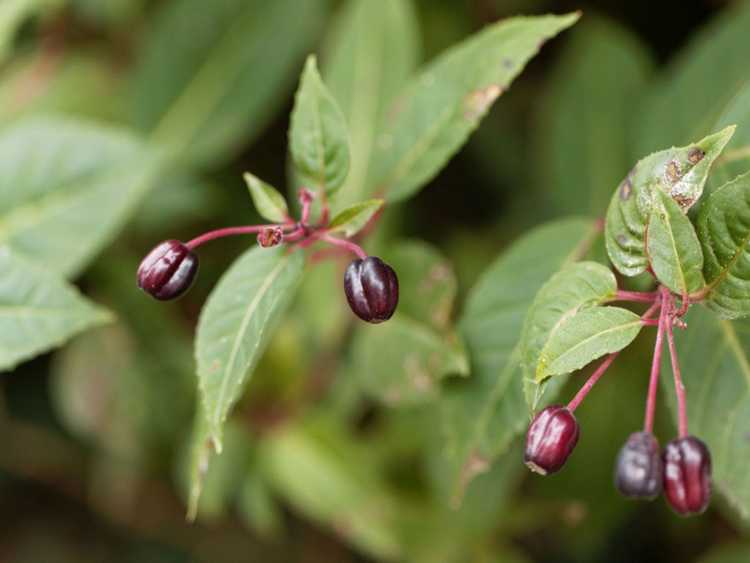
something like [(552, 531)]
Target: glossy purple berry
[(687, 475), (371, 288), (168, 270), (551, 437), (638, 470)]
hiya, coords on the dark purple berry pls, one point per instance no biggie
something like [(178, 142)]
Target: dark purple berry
[(638, 471), (687, 475), (371, 288), (551, 437), (271, 236), (168, 270)]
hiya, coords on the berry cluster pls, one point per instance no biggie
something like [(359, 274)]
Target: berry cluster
[(682, 470), (370, 285)]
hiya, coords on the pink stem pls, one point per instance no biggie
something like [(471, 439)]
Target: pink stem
[(653, 384), (346, 244), (590, 382), (230, 231), (637, 296), (679, 387), (649, 322), (651, 310)]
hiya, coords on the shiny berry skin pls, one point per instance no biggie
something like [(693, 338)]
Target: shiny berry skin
[(638, 470), (371, 288), (551, 437), (687, 475), (168, 270)]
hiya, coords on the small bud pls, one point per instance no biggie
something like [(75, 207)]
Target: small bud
[(371, 288), (271, 236), (551, 437), (687, 475), (168, 270), (638, 471), (306, 196)]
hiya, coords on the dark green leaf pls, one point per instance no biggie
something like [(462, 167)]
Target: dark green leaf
[(353, 219), (269, 203)]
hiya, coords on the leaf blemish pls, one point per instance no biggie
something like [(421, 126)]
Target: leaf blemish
[(696, 155), (478, 101), (673, 171), (626, 188)]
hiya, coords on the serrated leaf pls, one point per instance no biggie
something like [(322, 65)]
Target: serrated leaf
[(38, 311), (572, 289), (235, 326), (724, 232), (716, 374), (586, 336), (318, 136), (680, 172), (67, 187), (417, 358), (209, 79), (269, 203), (353, 219), (441, 106), (372, 52), (673, 248), (483, 414)]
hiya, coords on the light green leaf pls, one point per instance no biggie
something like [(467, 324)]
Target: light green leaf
[(441, 106), (318, 136), (67, 187), (483, 414), (673, 248), (38, 311), (270, 204), (417, 359), (210, 78), (574, 288), (716, 374), (353, 219), (586, 336), (235, 326), (724, 231), (587, 110), (371, 53), (680, 172)]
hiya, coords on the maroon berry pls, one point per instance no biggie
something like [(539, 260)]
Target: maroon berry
[(168, 270), (270, 236), (371, 287), (638, 471), (687, 475), (551, 437)]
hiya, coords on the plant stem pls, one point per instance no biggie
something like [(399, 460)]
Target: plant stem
[(346, 244), (231, 231), (590, 382), (636, 296), (679, 387), (653, 384)]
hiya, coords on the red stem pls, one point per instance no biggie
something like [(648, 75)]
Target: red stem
[(636, 296), (653, 384), (231, 231), (679, 387), (590, 382), (346, 244)]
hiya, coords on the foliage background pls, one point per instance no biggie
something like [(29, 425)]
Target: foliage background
[(95, 436)]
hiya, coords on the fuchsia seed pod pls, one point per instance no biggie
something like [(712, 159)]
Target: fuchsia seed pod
[(168, 270), (638, 471), (551, 437), (687, 475), (371, 288), (271, 236)]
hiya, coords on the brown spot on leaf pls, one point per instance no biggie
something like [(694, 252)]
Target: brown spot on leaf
[(673, 171), (695, 155), (626, 189), (214, 367), (683, 201), (478, 101), (622, 240)]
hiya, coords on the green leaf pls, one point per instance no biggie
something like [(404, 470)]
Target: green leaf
[(12, 15), (371, 53), (441, 106), (716, 374), (236, 323), (673, 248), (572, 289), (587, 108), (417, 359), (724, 231), (586, 336), (318, 136), (353, 219), (67, 187), (38, 311), (270, 204), (680, 172), (733, 553), (210, 78), (483, 414)]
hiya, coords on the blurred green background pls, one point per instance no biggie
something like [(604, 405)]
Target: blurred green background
[(321, 465)]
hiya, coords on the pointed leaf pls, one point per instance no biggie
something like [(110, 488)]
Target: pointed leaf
[(353, 219), (269, 203), (38, 311), (318, 137), (236, 323), (724, 232), (441, 106), (586, 336)]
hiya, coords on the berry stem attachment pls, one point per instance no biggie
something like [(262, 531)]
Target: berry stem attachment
[(636, 296), (346, 244), (679, 387), (653, 384), (590, 382), (232, 231)]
